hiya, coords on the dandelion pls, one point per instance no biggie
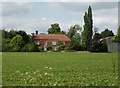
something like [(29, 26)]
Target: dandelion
[(26, 73), (39, 75), (116, 78), (21, 74), (55, 84), (45, 73), (34, 72), (46, 67), (17, 71), (50, 68)]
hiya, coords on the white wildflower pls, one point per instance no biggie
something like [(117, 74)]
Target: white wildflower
[(26, 73), (45, 73)]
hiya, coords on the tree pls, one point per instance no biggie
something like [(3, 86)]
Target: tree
[(55, 29), (106, 33), (12, 33), (31, 47), (96, 43), (5, 34), (75, 37), (24, 35), (87, 32), (96, 35), (17, 43), (117, 37), (60, 46)]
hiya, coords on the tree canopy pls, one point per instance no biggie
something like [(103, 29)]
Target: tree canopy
[(106, 33), (87, 32), (74, 35), (55, 29)]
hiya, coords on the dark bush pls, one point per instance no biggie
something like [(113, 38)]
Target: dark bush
[(31, 47)]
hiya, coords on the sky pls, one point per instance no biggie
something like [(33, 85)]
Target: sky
[(32, 16)]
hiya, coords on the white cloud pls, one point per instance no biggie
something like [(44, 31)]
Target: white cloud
[(104, 16), (14, 8), (30, 25)]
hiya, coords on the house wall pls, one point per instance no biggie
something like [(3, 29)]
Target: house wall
[(49, 43)]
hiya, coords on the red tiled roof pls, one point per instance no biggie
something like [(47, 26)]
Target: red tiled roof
[(59, 37)]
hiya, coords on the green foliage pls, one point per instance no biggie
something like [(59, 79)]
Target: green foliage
[(17, 42), (106, 33), (31, 47), (59, 69), (5, 34), (97, 44), (87, 32), (55, 29), (12, 33), (75, 37), (6, 47), (96, 37), (24, 35), (49, 48), (60, 46), (117, 37)]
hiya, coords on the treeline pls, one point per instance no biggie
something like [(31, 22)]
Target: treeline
[(86, 39), (77, 37), (18, 41)]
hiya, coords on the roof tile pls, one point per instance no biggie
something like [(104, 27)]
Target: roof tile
[(60, 37)]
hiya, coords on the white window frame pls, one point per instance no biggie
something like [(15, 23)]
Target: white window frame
[(54, 42), (45, 43)]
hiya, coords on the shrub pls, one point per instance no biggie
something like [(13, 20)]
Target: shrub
[(49, 48), (31, 47)]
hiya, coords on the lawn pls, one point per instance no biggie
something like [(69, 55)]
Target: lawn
[(59, 69)]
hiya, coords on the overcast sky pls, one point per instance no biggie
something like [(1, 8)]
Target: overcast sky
[(32, 16)]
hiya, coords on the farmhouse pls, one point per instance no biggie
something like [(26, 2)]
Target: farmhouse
[(51, 40)]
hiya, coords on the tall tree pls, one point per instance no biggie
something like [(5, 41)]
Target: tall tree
[(55, 29), (87, 32)]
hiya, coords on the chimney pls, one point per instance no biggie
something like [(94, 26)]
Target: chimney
[(36, 32)]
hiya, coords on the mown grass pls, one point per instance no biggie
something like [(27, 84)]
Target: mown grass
[(59, 69)]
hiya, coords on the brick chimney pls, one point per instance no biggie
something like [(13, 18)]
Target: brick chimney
[(36, 32)]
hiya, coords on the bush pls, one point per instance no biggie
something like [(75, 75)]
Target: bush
[(31, 47), (98, 46), (16, 48), (41, 48), (6, 48), (49, 48)]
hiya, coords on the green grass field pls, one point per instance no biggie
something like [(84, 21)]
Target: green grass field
[(59, 69)]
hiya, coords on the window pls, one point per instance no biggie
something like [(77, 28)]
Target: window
[(53, 42), (45, 43)]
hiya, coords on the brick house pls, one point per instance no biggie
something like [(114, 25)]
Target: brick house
[(51, 40)]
